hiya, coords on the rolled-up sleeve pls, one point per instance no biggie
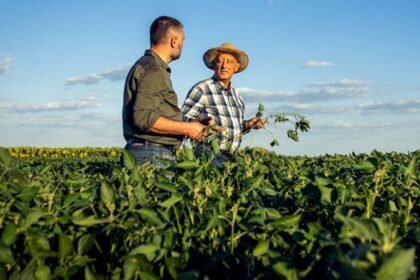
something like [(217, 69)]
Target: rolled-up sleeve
[(193, 104), (149, 97)]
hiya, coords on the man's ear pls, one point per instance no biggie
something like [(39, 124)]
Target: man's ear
[(173, 41), (237, 66)]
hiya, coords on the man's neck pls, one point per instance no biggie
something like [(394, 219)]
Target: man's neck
[(161, 52), (225, 83)]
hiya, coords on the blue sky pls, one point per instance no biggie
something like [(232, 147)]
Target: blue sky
[(350, 67)]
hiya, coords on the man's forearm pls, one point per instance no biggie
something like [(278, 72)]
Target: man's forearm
[(246, 127), (167, 126)]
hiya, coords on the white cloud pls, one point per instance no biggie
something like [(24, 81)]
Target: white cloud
[(391, 107), (345, 88), (400, 106), (343, 83), (317, 64), (84, 103), (345, 125), (116, 74), (256, 95), (86, 80), (6, 64), (341, 89), (313, 109)]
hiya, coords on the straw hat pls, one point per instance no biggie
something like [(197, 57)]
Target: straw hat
[(228, 48)]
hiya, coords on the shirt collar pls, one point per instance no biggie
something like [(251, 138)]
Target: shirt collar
[(222, 85), (159, 60)]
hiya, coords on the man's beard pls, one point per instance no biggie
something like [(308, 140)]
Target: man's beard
[(175, 56)]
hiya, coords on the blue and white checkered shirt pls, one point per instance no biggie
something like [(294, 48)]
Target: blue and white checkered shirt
[(210, 98)]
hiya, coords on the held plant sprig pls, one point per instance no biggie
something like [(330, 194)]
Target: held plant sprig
[(299, 122), (214, 135)]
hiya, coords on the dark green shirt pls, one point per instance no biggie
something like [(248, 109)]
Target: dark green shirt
[(148, 95)]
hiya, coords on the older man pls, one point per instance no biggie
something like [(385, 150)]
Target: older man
[(152, 121), (215, 97)]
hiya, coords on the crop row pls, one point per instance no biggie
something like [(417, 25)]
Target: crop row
[(266, 217), (55, 153)]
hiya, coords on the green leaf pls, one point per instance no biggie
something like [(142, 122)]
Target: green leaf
[(215, 146), (261, 248), (272, 213), (5, 156), (3, 273), (411, 168), (28, 193), (171, 265), (70, 198), (398, 266), (90, 221), (129, 160), (116, 274), (65, 246), (150, 216), (285, 222), (42, 272), (283, 269), (107, 193), (130, 267), (292, 135), (256, 181), (321, 181), (365, 166), (326, 194), (108, 196), (148, 275), (80, 261), (365, 230), (261, 107), (33, 217), (166, 186), (89, 275), (392, 206), (85, 243), (186, 164), (269, 191), (6, 255), (8, 237), (145, 249), (275, 142), (188, 152), (39, 245), (182, 181), (171, 200), (280, 118)]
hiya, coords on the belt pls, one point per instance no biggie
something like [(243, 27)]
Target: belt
[(146, 142)]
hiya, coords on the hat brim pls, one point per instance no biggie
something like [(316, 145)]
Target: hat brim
[(240, 56)]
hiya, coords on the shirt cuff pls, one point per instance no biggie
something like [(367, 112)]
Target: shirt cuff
[(146, 119)]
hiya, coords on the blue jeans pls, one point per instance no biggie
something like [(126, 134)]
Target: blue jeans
[(218, 159), (150, 152)]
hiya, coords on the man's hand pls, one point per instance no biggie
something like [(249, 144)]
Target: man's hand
[(255, 123), (210, 121), (196, 131)]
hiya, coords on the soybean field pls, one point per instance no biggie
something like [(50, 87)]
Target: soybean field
[(81, 213)]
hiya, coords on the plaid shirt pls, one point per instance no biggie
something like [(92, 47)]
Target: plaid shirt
[(210, 98)]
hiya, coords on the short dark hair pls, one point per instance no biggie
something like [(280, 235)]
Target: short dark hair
[(160, 28)]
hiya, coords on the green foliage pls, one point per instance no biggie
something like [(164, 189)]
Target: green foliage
[(266, 217), (299, 122)]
